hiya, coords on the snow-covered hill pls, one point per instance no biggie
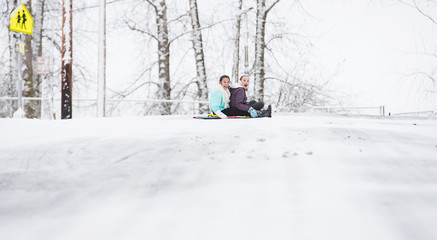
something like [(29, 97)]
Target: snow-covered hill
[(288, 177)]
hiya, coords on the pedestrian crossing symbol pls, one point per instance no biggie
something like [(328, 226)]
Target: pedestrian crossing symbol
[(21, 21)]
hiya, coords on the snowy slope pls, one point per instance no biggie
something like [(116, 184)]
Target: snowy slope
[(173, 177)]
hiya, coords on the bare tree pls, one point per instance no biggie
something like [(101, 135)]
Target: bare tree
[(34, 43), (67, 60), (237, 36), (423, 7), (201, 80), (260, 45), (9, 83), (162, 38), (237, 41), (28, 90), (38, 45), (299, 88)]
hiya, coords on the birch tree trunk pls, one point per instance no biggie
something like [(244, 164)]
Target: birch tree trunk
[(67, 60), (202, 92), (163, 54), (260, 45), (37, 48), (28, 90), (237, 36)]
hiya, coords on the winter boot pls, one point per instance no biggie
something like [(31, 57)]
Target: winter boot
[(266, 113)]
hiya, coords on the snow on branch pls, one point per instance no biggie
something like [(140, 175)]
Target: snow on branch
[(242, 12), (134, 28)]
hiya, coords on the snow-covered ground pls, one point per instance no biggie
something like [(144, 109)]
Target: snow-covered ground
[(289, 177)]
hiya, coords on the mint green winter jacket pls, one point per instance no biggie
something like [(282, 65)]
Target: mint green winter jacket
[(216, 102)]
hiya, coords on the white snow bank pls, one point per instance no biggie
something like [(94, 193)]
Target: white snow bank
[(289, 177)]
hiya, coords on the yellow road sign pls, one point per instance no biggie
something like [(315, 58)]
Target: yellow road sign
[(21, 21)]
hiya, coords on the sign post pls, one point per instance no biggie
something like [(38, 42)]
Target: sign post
[(21, 22), (20, 111)]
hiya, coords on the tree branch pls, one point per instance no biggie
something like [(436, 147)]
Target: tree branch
[(54, 43), (178, 18), (95, 6), (271, 6), (205, 27), (124, 94), (134, 28), (152, 3), (427, 75), (184, 89), (424, 53), (276, 36), (414, 5), (242, 12), (424, 14), (191, 31)]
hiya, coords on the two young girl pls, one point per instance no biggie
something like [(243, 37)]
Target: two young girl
[(232, 101)]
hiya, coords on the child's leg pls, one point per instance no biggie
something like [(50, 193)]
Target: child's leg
[(256, 105), (234, 112)]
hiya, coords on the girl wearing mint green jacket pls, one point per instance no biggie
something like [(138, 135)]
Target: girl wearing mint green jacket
[(219, 97)]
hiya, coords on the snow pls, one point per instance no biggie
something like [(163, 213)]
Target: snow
[(297, 176), (66, 31), (19, 113)]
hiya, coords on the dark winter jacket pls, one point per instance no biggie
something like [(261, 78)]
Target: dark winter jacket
[(238, 99)]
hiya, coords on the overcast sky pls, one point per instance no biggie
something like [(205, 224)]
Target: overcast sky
[(377, 43)]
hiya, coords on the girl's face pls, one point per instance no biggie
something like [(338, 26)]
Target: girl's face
[(225, 83), (245, 82)]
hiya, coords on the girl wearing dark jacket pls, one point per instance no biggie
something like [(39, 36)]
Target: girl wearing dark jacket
[(238, 101)]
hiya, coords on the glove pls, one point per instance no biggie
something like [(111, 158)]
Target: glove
[(252, 112), (221, 115)]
